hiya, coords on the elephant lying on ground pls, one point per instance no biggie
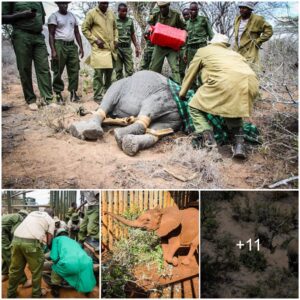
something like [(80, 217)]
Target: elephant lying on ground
[(145, 95), (179, 228)]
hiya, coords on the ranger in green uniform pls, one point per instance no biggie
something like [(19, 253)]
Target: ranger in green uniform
[(27, 19), (172, 18), (126, 34), (90, 224), (63, 29), (149, 48), (199, 32), (182, 62), (9, 223)]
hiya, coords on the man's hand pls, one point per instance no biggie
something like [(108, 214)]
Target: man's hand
[(137, 52), (100, 44), (29, 14), (54, 54), (81, 52), (182, 98)]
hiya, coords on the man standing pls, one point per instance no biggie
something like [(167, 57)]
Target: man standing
[(228, 90), (74, 226), (27, 249), (126, 34), (63, 29), (172, 18), (71, 211), (100, 28), (27, 19), (182, 62), (90, 224), (250, 32), (9, 223), (199, 32)]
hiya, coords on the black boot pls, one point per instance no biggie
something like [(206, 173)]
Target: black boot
[(74, 97), (239, 149), (59, 99)]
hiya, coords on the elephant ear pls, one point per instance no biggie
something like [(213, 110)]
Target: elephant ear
[(170, 220)]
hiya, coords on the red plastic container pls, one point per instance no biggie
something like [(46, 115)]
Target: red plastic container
[(167, 36)]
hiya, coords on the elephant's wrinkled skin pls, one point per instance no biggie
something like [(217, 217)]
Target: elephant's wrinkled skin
[(180, 228), (145, 94)]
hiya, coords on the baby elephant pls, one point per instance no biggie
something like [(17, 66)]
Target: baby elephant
[(180, 228)]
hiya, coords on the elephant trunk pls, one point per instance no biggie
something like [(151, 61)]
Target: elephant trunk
[(131, 223)]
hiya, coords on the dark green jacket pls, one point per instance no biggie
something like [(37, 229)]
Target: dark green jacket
[(125, 30)]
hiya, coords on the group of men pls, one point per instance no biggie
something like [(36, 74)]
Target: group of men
[(110, 38), (27, 237)]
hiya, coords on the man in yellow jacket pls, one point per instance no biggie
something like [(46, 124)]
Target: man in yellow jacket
[(100, 28), (228, 90), (250, 32)]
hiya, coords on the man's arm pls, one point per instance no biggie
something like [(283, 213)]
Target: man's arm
[(52, 29), (79, 41), (13, 18), (180, 23), (266, 34), (191, 74), (135, 43), (86, 30), (49, 239), (78, 209), (210, 33)]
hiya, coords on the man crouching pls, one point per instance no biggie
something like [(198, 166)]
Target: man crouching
[(228, 90)]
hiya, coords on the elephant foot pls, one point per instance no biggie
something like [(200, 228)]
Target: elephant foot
[(118, 137), (186, 261), (87, 130), (130, 145)]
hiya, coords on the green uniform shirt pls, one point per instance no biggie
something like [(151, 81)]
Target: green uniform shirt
[(172, 19), (125, 30), (199, 30), (34, 25), (11, 221)]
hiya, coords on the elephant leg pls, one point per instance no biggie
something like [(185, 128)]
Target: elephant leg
[(193, 247), (133, 129), (131, 143), (87, 129), (174, 245)]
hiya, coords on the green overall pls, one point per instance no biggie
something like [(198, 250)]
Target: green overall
[(125, 30), (67, 56), (90, 224), (148, 51), (25, 251), (29, 46)]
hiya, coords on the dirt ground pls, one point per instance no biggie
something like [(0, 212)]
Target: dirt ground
[(38, 153), (63, 292)]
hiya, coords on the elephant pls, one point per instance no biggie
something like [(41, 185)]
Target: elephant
[(292, 253), (145, 95), (179, 228)]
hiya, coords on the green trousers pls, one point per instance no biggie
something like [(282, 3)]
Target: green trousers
[(125, 61), (67, 56), (145, 64), (158, 58), (90, 224), (55, 278), (201, 124), (30, 252), (182, 64), (30, 48), (101, 82)]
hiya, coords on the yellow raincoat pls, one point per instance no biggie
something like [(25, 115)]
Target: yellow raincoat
[(98, 25), (257, 31), (229, 84)]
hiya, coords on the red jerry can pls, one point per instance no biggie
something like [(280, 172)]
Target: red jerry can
[(167, 36)]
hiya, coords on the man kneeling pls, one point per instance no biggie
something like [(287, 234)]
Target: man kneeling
[(228, 90), (71, 263)]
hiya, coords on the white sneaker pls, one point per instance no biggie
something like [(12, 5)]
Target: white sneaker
[(33, 107)]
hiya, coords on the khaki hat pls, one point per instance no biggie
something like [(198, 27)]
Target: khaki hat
[(219, 38), (250, 5), (56, 219), (163, 3)]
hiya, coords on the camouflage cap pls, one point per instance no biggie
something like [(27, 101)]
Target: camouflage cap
[(249, 5), (23, 212), (163, 3)]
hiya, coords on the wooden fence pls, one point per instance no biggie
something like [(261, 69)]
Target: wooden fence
[(118, 202)]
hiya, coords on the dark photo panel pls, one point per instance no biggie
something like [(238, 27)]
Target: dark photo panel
[(249, 244)]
